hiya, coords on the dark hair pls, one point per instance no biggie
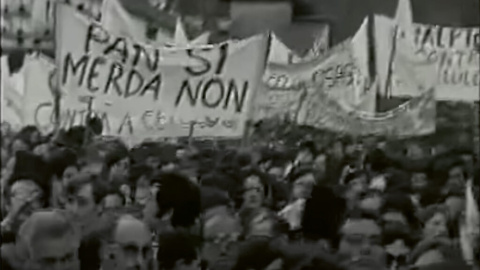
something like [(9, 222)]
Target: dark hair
[(219, 180), (175, 246), (60, 160), (89, 252), (99, 188), (138, 171), (323, 214), (378, 161), (400, 202), (309, 146), (177, 193)]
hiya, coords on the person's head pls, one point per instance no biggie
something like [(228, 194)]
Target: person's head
[(140, 176), (356, 183), (177, 200), (371, 201), (114, 198), (254, 190), (117, 162), (277, 169), (48, 240), (126, 242), (18, 144), (434, 220), (398, 245), (24, 196), (303, 183), (455, 203), (360, 245), (398, 208), (85, 195), (177, 251), (221, 233), (457, 175), (338, 149), (307, 152)]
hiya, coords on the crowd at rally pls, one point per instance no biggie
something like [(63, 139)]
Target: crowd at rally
[(72, 200)]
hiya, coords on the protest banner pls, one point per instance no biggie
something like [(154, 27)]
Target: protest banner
[(342, 72), (39, 101), (143, 92), (414, 118), (452, 48)]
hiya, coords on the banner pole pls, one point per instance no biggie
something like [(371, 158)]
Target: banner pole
[(190, 134), (476, 130), (390, 63)]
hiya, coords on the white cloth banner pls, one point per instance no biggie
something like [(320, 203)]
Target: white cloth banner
[(342, 72), (453, 48), (39, 99), (143, 92)]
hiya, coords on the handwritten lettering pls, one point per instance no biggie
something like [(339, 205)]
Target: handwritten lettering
[(122, 82), (214, 92), (204, 65), (334, 76), (118, 47)]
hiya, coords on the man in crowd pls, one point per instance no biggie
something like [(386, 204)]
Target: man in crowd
[(46, 240)]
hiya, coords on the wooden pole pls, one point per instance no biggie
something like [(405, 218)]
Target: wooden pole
[(476, 131)]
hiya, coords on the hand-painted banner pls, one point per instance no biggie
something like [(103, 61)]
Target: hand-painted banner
[(452, 48), (40, 81), (414, 118), (145, 92), (342, 72)]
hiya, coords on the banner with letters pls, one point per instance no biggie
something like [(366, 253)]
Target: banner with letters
[(40, 81), (452, 48), (342, 72), (414, 118), (143, 92)]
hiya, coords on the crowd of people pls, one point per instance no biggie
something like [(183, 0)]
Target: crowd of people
[(73, 200)]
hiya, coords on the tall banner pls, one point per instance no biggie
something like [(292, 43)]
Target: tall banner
[(414, 118), (342, 72), (142, 92), (40, 81), (452, 48)]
